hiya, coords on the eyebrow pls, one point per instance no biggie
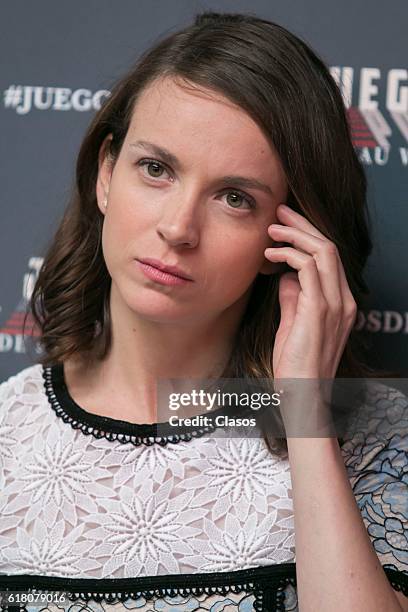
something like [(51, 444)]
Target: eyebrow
[(170, 158)]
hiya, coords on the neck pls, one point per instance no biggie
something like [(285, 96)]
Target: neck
[(143, 351)]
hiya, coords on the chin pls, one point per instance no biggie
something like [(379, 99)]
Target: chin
[(160, 310)]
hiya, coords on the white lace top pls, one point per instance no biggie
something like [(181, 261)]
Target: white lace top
[(98, 509)]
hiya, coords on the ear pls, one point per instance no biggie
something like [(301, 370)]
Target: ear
[(105, 168)]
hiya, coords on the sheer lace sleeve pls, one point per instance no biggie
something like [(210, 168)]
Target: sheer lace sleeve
[(376, 458)]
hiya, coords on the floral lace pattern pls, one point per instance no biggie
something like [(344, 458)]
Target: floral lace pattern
[(376, 458), (75, 505), (98, 507)]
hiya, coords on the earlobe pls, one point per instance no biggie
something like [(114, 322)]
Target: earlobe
[(103, 207), (102, 201)]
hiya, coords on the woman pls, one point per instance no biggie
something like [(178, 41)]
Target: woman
[(188, 166)]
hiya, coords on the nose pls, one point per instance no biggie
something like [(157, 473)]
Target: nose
[(179, 222)]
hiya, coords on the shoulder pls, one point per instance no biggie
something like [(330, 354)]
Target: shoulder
[(379, 421), (375, 454), (22, 385)]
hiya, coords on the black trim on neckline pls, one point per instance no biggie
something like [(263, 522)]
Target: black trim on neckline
[(115, 429)]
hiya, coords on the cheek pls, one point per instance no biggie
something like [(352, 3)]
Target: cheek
[(116, 237), (236, 263), (108, 252), (123, 224)]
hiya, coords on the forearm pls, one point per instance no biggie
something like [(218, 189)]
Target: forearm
[(337, 567)]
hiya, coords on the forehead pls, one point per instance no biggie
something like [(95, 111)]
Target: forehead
[(201, 121)]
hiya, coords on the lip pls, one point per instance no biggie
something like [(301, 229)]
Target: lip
[(174, 270), (163, 277)]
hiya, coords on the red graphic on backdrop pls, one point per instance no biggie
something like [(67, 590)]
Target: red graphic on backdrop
[(14, 325), (361, 134)]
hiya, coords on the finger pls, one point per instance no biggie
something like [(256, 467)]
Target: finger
[(292, 218), (289, 288), (307, 272), (325, 256)]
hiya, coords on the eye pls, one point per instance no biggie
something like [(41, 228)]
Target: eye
[(152, 163), (243, 197), (158, 166)]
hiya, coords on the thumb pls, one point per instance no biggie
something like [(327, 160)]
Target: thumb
[(289, 289)]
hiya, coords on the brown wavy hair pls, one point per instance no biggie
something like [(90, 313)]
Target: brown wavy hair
[(289, 92)]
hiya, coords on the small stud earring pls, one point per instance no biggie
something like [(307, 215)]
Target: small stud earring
[(105, 202)]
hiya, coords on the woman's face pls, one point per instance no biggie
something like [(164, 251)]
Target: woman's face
[(181, 211)]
